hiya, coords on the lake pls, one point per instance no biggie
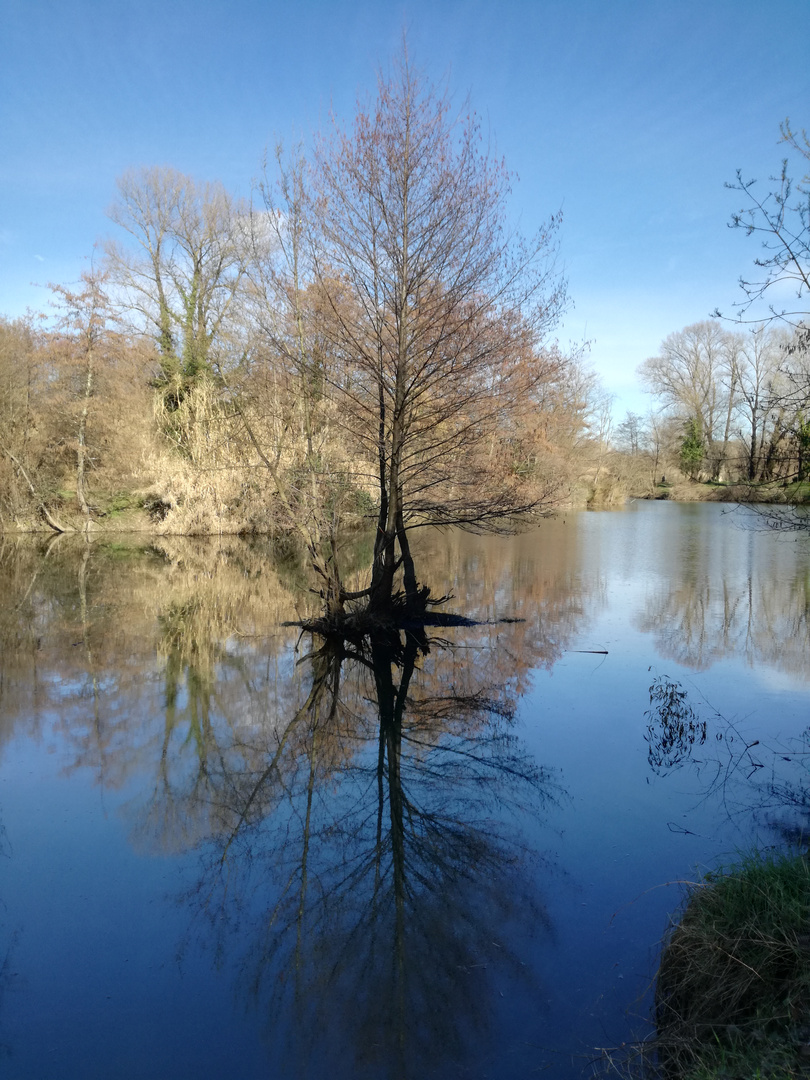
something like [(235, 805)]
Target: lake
[(229, 850)]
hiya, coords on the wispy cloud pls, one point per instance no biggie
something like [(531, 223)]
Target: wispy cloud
[(39, 258)]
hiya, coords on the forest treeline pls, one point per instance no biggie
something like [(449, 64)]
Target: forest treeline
[(732, 402), (368, 339), (365, 338), (731, 406), (98, 426)]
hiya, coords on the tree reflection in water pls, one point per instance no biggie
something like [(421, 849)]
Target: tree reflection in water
[(371, 874), (757, 611), (353, 822)]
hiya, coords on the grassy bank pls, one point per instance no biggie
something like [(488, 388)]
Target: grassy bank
[(733, 991), (713, 491)]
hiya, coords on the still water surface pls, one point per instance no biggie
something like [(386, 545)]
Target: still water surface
[(227, 851)]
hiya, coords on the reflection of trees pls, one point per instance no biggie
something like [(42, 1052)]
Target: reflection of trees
[(144, 659), (766, 622), (347, 806), (132, 646), (734, 608), (535, 578), (364, 867)]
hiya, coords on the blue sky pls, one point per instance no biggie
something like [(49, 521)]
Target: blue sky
[(628, 114)]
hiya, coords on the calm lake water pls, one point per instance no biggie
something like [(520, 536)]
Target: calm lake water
[(227, 851)]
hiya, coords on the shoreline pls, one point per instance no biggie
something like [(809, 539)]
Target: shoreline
[(140, 521)]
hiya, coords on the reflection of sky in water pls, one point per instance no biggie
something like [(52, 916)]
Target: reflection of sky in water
[(780, 682), (129, 738)]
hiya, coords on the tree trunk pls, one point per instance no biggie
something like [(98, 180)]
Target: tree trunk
[(81, 450), (752, 453), (727, 429), (54, 524), (382, 573)]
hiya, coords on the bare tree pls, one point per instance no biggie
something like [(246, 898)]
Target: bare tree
[(693, 376), (439, 311), (181, 279), (780, 219), (631, 434), (82, 333), (757, 359), (662, 442)]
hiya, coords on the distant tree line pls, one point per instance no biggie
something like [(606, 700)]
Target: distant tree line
[(733, 405), (733, 401)]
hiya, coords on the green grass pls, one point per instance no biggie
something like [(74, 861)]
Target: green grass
[(121, 500), (115, 550), (798, 492), (733, 991)]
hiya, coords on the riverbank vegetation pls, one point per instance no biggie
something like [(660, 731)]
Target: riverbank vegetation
[(734, 984)]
